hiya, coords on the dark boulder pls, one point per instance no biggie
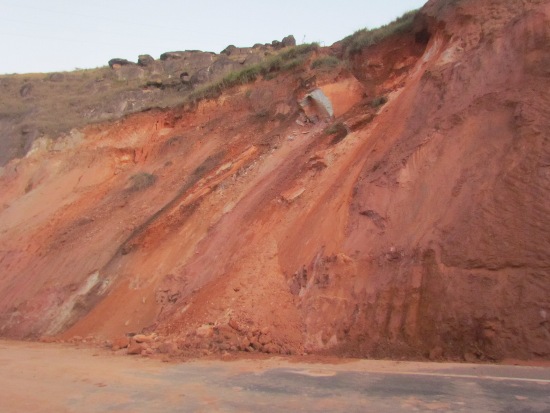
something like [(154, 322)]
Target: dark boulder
[(172, 55), (289, 41), (117, 62), (276, 44), (229, 50), (145, 60)]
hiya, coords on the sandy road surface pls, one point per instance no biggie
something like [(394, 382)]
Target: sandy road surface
[(53, 378)]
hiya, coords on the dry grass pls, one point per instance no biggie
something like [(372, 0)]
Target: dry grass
[(287, 60), (365, 37), (326, 63), (54, 107)]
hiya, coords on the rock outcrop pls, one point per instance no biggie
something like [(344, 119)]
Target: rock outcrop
[(117, 63)]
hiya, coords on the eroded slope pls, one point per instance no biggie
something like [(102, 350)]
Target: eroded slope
[(415, 228)]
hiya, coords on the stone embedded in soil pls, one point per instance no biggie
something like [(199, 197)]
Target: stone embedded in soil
[(234, 324)]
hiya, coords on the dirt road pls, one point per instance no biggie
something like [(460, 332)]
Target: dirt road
[(53, 378)]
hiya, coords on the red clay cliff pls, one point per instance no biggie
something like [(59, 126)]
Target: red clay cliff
[(418, 227)]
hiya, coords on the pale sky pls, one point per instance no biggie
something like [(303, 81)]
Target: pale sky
[(61, 35)]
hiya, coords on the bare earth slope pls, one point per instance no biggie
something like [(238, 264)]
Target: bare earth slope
[(230, 226)]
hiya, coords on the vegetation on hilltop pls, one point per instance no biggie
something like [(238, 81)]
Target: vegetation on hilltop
[(326, 63), (286, 60), (35, 105), (365, 37)]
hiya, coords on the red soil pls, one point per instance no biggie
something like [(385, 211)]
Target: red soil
[(424, 232)]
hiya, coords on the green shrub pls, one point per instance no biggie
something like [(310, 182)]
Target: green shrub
[(326, 63), (365, 37), (292, 64), (339, 130), (335, 128)]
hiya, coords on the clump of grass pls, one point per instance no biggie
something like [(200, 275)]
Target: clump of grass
[(379, 101), (365, 37), (326, 63), (335, 128), (141, 181), (284, 61), (292, 64), (339, 130)]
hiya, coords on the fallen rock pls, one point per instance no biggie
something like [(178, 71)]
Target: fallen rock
[(245, 344), (146, 352), (271, 348), (255, 344), (135, 348), (168, 347), (142, 338), (234, 324)]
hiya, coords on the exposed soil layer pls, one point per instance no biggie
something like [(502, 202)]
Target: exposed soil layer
[(410, 226)]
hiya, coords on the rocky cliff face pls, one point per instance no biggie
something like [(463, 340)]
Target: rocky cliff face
[(414, 223), (55, 105)]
